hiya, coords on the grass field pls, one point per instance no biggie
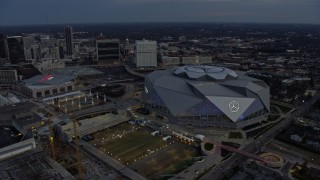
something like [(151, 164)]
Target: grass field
[(131, 146), (170, 160), (284, 109), (148, 155), (235, 135), (273, 110)]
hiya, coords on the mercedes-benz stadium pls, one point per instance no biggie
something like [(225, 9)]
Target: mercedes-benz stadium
[(207, 96)]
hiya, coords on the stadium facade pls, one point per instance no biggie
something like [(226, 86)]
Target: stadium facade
[(207, 96)]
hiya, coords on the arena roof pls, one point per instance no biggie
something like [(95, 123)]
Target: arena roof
[(209, 73), (48, 79), (186, 86)]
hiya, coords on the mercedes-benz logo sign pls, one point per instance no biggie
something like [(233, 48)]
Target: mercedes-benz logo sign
[(234, 106)]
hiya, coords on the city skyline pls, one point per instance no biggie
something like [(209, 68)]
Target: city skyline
[(159, 100), (97, 11)]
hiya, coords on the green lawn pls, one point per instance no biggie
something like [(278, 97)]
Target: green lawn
[(273, 117), (170, 160), (208, 146), (235, 135), (284, 109), (131, 146), (148, 155), (273, 110)]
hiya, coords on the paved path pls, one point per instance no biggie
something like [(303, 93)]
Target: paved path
[(133, 72)]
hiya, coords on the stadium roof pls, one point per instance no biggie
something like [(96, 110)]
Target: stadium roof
[(209, 73), (191, 90)]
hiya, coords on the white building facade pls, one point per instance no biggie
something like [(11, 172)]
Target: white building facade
[(146, 54)]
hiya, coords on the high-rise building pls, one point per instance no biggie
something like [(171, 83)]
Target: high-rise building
[(28, 44), (4, 52), (16, 49), (35, 52), (54, 53), (61, 52), (108, 51), (146, 53), (69, 39)]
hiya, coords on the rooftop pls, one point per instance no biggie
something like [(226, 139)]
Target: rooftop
[(32, 165), (77, 71), (10, 135), (48, 79), (26, 70), (28, 120), (92, 124), (209, 73)]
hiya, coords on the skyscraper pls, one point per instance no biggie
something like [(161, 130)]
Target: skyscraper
[(4, 52), (28, 44), (108, 51), (69, 39), (16, 51), (146, 53)]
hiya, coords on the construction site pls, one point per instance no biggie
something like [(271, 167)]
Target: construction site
[(53, 151), (64, 147), (33, 165)]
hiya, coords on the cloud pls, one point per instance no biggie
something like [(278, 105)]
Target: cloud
[(78, 11)]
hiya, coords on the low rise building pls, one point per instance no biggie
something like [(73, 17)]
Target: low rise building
[(42, 86), (79, 72), (91, 125), (146, 54), (196, 60), (13, 142), (8, 77), (170, 61)]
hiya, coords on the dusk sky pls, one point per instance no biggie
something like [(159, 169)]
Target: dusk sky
[(20, 12)]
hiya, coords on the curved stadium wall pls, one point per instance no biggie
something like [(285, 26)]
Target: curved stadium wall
[(207, 96)]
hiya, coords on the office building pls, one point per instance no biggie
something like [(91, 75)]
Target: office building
[(29, 47), (16, 49), (8, 77), (69, 40), (146, 54), (108, 51), (4, 52)]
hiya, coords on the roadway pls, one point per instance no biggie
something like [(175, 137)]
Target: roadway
[(218, 170)]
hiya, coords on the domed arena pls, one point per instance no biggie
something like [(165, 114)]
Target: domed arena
[(207, 96)]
